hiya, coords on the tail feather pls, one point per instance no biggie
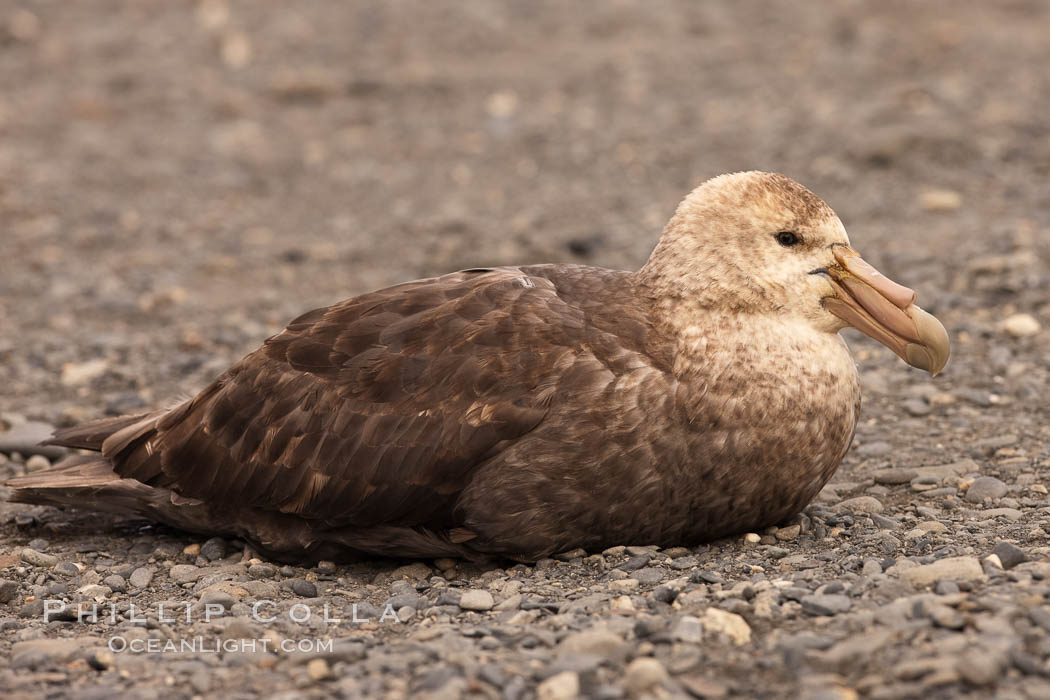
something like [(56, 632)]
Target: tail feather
[(90, 436)]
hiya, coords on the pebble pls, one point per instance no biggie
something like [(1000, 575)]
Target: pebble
[(979, 668), (940, 200), (985, 487), (31, 556), (215, 597), (825, 604), (917, 407), (141, 577), (729, 624), (304, 588), (319, 670), (1021, 325), (560, 686), (116, 583), (894, 475), (214, 549), (788, 533), (75, 374), (643, 674), (596, 640), (861, 504), (946, 617), (262, 571), (953, 568), (1010, 555), (8, 590), (25, 437), (688, 629), (474, 599), (37, 463), (185, 573)]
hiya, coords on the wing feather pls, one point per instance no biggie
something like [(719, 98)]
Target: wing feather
[(372, 411)]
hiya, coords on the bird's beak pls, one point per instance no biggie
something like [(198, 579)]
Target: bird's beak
[(886, 311)]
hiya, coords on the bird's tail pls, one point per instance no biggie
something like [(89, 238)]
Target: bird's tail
[(89, 482)]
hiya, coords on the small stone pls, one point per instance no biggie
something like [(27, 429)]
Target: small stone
[(262, 571), (1021, 325), (895, 475), (141, 577), (8, 590), (940, 200), (789, 533), (752, 538), (688, 629), (101, 659), (474, 599), (946, 617), (627, 584), (729, 624), (1009, 554), (74, 374), (952, 568), (979, 668), (304, 588), (622, 604), (985, 487), (643, 674), (185, 573), (413, 572), (328, 567), (116, 583), (917, 407), (560, 686), (214, 549), (596, 640), (825, 604), (37, 463), (318, 669), (861, 504), (31, 556), (215, 597)]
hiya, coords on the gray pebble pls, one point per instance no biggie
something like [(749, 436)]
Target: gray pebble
[(474, 599), (31, 556), (304, 588), (262, 570), (1009, 554), (116, 583), (141, 577), (66, 568), (985, 487), (185, 573), (825, 604), (917, 407), (896, 475), (649, 575), (8, 590), (214, 549), (222, 598)]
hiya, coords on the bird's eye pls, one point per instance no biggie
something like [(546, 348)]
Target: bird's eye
[(788, 239)]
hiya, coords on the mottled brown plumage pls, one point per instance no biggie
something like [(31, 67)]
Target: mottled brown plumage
[(521, 411)]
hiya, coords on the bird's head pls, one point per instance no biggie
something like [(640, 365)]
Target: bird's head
[(761, 243)]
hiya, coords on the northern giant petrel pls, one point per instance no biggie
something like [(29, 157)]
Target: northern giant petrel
[(521, 411)]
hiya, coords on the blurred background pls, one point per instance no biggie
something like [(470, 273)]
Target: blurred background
[(179, 179)]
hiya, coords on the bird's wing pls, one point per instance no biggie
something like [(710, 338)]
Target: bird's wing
[(373, 410)]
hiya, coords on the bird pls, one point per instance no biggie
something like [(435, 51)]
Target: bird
[(520, 412)]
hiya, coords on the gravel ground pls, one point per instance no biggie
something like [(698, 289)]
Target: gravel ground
[(177, 180)]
